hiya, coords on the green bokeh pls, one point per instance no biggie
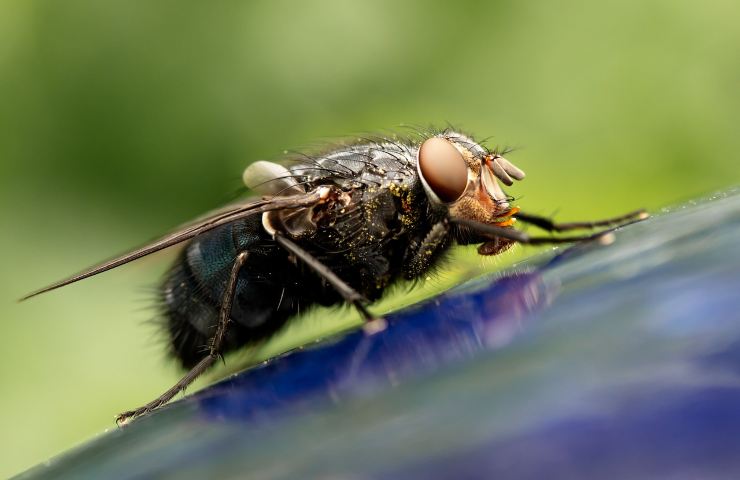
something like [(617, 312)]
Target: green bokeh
[(120, 119)]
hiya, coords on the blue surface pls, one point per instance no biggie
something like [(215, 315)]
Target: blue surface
[(619, 361)]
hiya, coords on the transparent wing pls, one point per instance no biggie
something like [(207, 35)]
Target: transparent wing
[(190, 230)]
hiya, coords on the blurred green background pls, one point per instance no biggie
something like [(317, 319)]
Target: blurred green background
[(121, 119)]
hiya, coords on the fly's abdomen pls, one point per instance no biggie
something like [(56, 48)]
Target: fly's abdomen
[(192, 292)]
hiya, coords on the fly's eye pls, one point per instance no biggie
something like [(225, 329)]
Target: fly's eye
[(443, 169)]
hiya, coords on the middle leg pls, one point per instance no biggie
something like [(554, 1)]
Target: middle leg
[(349, 294)]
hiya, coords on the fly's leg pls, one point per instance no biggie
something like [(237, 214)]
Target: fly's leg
[(372, 323), (425, 254), (520, 237), (214, 349), (547, 224)]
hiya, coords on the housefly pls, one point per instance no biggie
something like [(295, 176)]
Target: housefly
[(338, 227)]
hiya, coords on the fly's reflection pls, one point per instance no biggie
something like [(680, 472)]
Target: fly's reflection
[(448, 329)]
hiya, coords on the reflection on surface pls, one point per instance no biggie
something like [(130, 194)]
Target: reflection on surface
[(417, 342), (692, 435)]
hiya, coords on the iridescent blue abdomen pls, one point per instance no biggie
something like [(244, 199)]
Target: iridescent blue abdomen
[(266, 294)]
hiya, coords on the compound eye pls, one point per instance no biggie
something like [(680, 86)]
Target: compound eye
[(443, 168)]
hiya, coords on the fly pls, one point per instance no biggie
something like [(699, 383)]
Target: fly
[(339, 227)]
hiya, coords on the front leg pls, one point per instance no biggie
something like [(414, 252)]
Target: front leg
[(549, 225), (511, 234)]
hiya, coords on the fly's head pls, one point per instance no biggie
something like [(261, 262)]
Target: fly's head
[(462, 178)]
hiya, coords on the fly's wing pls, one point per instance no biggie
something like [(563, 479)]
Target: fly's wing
[(186, 232)]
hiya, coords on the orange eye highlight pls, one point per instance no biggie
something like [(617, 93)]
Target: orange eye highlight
[(443, 168)]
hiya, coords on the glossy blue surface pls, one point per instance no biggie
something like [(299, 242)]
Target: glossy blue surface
[(618, 361)]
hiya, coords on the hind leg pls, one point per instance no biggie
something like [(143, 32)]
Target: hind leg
[(214, 349)]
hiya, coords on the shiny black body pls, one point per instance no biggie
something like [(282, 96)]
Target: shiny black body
[(369, 244)]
